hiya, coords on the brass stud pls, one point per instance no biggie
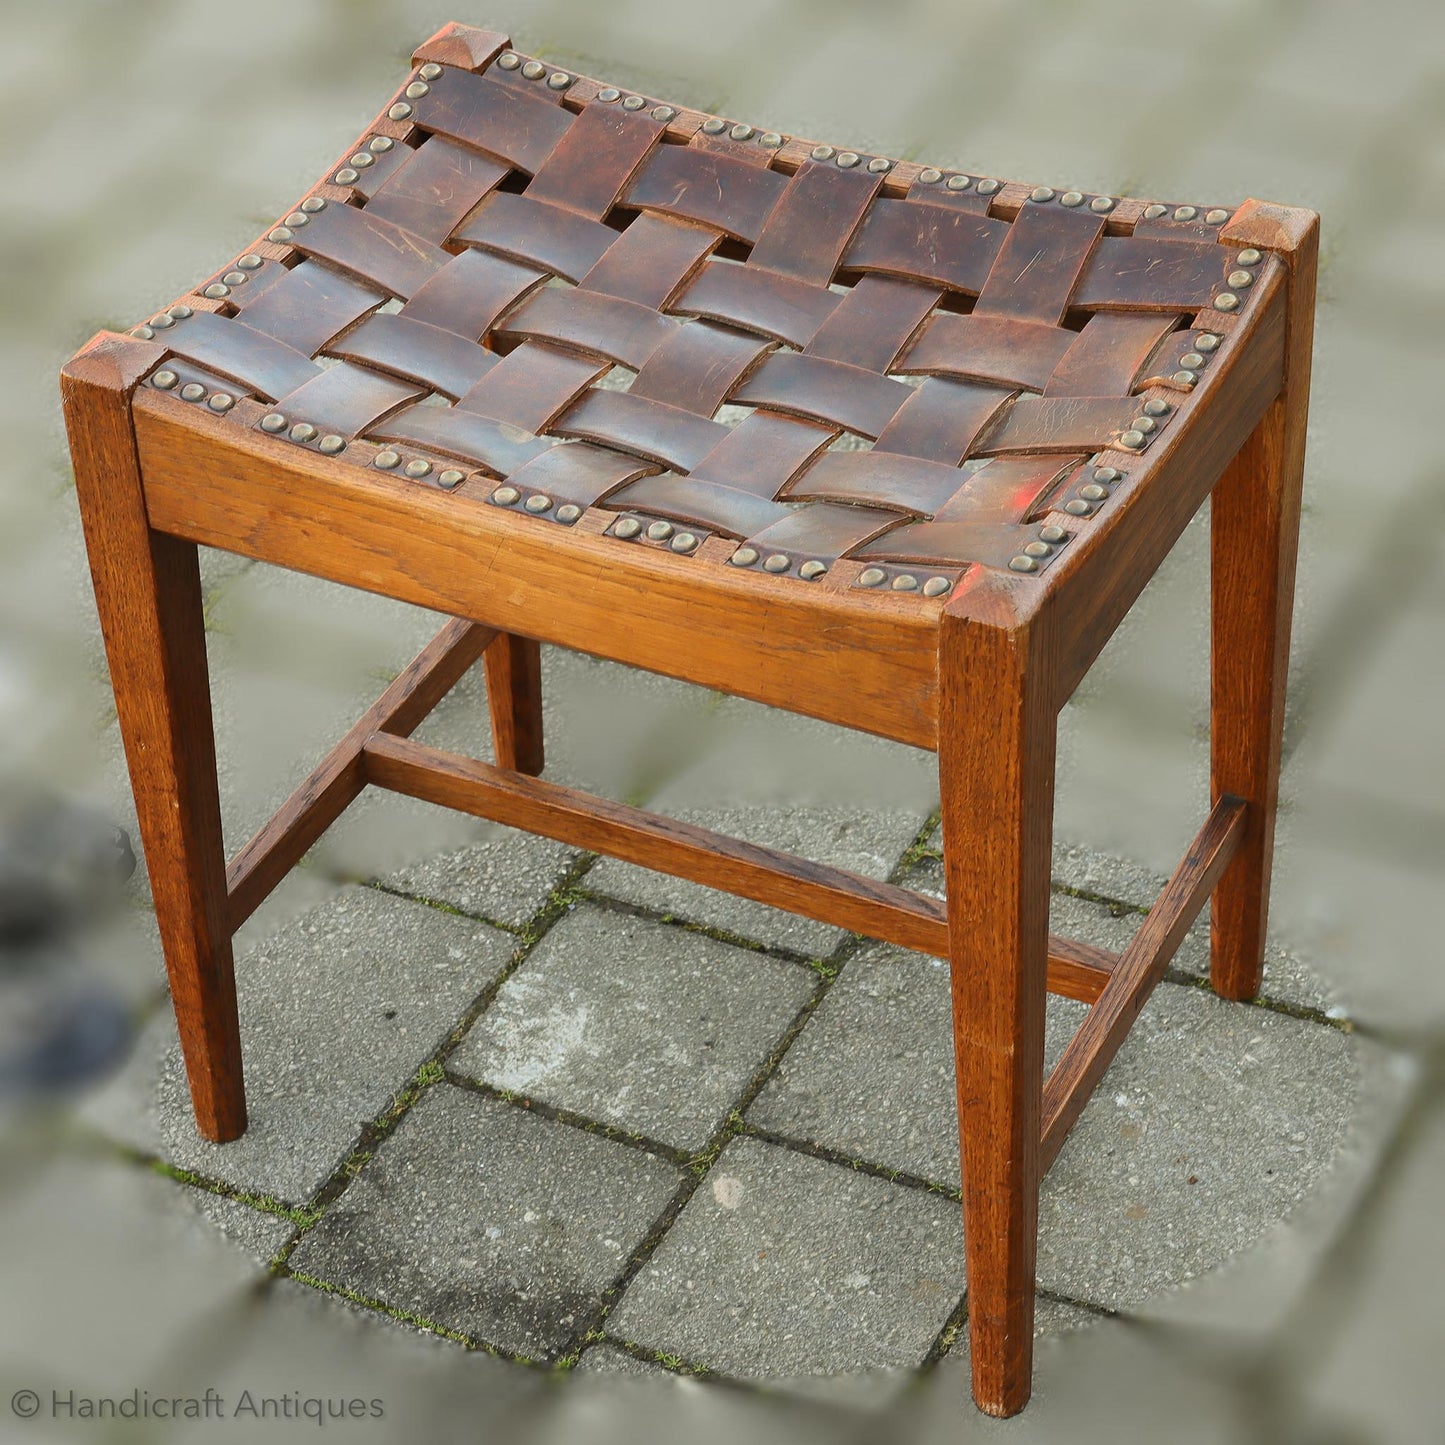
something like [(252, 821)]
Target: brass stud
[(1157, 406), (417, 468), (179, 313), (1072, 198), (627, 528), (143, 332), (960, 183), (162, 322), (417, 89), (386, 460), (1152, 213), (777, 562), (1144, 425), (1102, 204), (744, 557), (362, 159), (848, 159), (1093, 492), (663, 113), (379, 145), (1053, 533), (346, 176), (451, 477), (1240, 279), (220, 401), (534, 70), (559, 80), (713, 126), (1133, 440), (538, 502), (1207, 341), (250, 262), (771, 139), (505, 496), (936, 586), (878, 165), (1250, 257), (281, 234), (1186, 213), (1191, 359), (1022, 564), (1038, 549), (811, 569), (1216, 217), (1076, 508), (822, 153), (330, 444), (312, 204), (164, 379), (1226, 301), (1041, 194), (216, 291), (741, 131), (400, 111), (1184, 378), (303, 431), (871, 576), (509, 60), (430, 71), (905, 582), (298, 219), (1107, 475), (683, 542), (659, 531), (567, 512), (192, 391), (987, 188), (608, 94), (930, 176), (273, 421), (633, 102)]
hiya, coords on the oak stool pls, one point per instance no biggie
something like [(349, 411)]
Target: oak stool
[(880, 443)]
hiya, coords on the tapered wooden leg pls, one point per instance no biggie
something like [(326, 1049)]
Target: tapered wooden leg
[(514, 696), (1254, 541), (147, 589), (996, 766)]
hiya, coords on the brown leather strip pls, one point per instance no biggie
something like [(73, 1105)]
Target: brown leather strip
[(234, 349), (623, 331), (989, 348), (942, 419), (538, 234), (531, 386), (591, 164), (873, 322), (937, 193), (579, 472), (651, 259), (1039, 264), (701, 504), (1058, 424), (435, 189), (698, 366), (701, 185), (1108, 353), (345, 399), (823, 530), (518, 125), (760, 301), (471, 291), (927, 242), (1004, 489), (373, 249), (665, 434), (440, 360), (1130, 273), (310, 305), (499, 446), (371, 178), (907, 484), (809, 228), (762, 452), (852, 397), (942, 543)]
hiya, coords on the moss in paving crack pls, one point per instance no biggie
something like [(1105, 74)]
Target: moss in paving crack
[(409, 1317), (262, 1203)]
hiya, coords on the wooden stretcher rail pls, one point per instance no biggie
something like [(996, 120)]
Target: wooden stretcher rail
[(832, 895), (1139, 969), (340, 776)]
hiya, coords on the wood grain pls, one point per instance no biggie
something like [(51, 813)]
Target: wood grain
[(514, 699)]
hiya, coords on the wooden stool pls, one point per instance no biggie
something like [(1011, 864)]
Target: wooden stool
[(479, 368)]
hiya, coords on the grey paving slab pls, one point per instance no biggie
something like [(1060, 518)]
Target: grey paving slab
[(338, 1011), (256, 1231), (491, 1221), (649, 1027), (870, 845), (782, 1265), (609, 1360)]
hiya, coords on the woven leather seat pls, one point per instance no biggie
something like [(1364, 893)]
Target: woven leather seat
[(889, 445)]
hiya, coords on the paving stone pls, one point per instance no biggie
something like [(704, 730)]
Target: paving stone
[(259, 1233), (645, 1026), (782, 1265), (1248, 1104), (491, 1221), (337, 1013), (870, 845), (609, 1360)]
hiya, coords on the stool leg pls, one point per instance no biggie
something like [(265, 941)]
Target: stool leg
[(514, 698), (147, 589), (996, 773)]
